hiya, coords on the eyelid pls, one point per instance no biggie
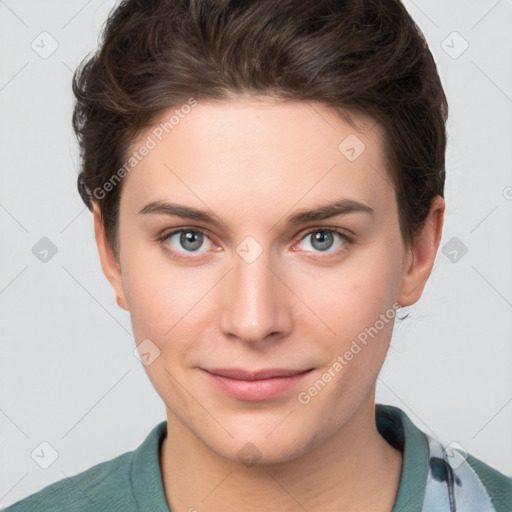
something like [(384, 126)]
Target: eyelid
[(348, 241), (173, 231), (340, 231)]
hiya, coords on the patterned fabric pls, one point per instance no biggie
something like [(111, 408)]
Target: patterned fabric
[(452, 484)]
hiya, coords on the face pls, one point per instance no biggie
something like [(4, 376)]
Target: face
[(262, 324)]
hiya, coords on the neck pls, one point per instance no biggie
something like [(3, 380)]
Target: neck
[(353, 469)]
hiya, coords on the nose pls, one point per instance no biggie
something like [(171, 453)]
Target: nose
[(256, 304)]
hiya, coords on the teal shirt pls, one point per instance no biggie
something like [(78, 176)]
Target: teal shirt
[(433, 479)]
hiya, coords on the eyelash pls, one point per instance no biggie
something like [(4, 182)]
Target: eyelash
[(348, 240)]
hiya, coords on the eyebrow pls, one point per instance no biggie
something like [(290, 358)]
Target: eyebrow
[(341, 207)]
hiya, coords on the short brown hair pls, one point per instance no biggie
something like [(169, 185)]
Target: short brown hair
[(355, 56)]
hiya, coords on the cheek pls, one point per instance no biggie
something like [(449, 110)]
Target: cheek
[(159, 293), (356, 294), (358, 306)]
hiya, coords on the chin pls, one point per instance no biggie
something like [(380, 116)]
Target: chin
[(260, 448)]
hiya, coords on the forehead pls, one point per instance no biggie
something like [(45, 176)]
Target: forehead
[(256, 153)]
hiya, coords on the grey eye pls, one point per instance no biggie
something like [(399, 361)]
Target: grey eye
[(321, 240), (191, 240), (188, 240)]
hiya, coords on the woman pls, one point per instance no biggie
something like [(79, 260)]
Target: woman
[(266, 180)]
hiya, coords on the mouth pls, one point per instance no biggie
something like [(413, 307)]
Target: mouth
[(258, 385)]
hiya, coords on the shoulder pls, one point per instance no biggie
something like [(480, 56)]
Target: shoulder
[(498, 485), (438, 477), (117, 485), (105, 486)]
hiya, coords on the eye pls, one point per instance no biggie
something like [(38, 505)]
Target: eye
[(323, 239), (187, 240)]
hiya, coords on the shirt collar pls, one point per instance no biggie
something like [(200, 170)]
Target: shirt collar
[(400, 432)]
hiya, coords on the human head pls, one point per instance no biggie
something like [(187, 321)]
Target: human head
[(357, 57), (259, 139)]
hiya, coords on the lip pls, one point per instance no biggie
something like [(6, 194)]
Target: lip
[(255, 385)]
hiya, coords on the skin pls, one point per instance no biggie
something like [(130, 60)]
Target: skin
[(252, 163)]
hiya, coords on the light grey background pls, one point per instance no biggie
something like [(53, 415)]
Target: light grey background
[(68, 374)]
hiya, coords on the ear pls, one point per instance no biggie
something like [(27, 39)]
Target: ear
[(422, 255), (109, 264)]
